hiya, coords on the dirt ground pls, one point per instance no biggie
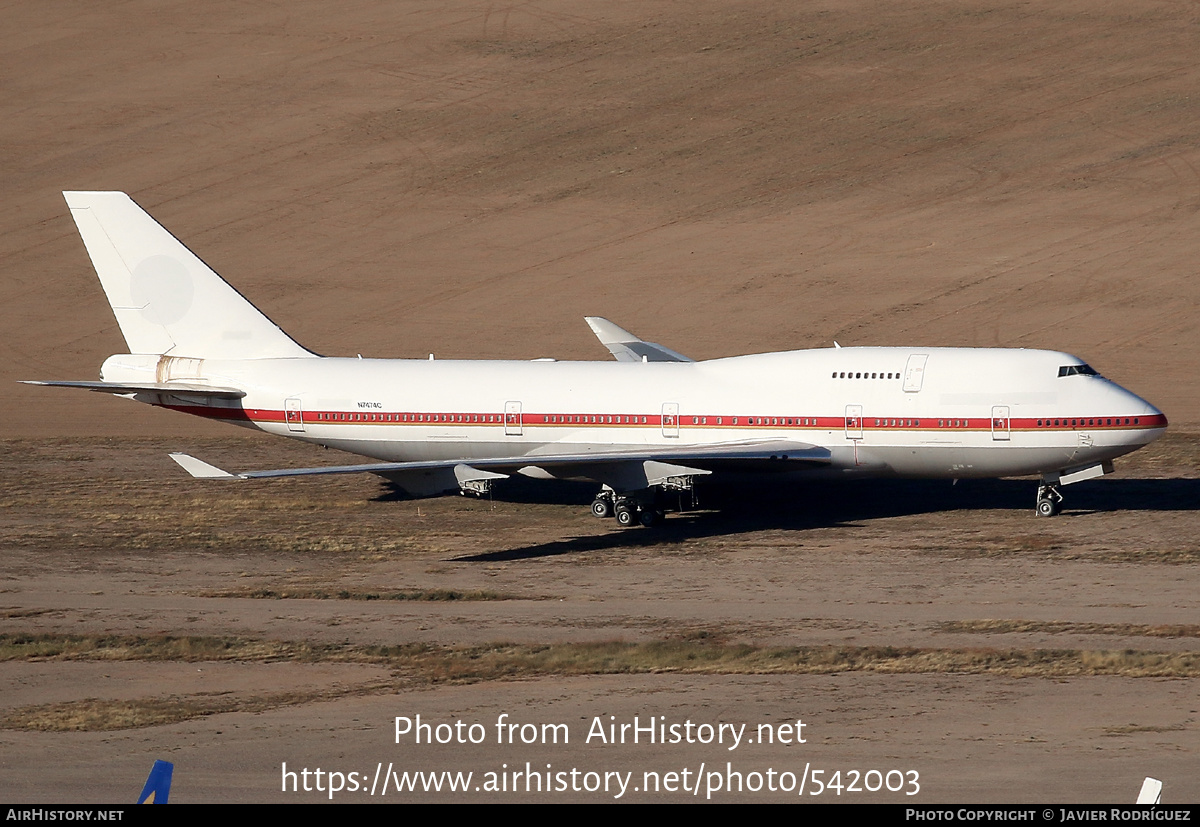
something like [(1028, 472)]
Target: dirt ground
[(473, 179)]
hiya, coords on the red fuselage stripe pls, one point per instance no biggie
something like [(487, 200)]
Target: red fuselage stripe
[(557, 420)]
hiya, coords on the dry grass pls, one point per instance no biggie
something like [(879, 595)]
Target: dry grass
[(345, 526), (1059, 549), (1133, 729), (335, 520), (102, 715), (424, 664), (343, 522), (9, 614), (1055, 627), (301, 593), (492, 662), (150, 648), (696, 654)]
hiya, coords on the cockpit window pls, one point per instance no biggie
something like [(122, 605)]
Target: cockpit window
[(1077, 370)]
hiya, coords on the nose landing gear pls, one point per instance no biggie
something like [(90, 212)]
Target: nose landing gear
[(1049, 500)]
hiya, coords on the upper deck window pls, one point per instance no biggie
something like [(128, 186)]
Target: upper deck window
[(1080, 370)]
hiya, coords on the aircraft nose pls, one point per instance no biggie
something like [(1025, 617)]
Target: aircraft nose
[(1149, 410), (1152, 421), (1126, 400)]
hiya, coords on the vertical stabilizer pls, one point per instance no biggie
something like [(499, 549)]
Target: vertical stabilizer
[(165, 298)]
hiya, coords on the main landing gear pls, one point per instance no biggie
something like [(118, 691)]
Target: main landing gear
[(1049, 500), (629, 511)]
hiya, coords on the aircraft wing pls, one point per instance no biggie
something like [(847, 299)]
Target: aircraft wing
[(625, 347), (623, 470), (123, 388)]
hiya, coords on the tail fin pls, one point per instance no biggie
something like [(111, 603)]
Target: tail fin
[(165, 298), (158, 784)]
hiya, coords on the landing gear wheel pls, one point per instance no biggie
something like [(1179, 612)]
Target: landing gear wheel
[(626, 516), (602, 507), (1049, 501), (650, 517)]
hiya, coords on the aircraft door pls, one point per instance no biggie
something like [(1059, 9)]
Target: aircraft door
[(1000, 423), (293, 413), (914, 372), (854, 429), (513, 425), (670, 419)]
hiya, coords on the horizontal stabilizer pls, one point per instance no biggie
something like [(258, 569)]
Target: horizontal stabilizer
[(625, 347), (123, 388)]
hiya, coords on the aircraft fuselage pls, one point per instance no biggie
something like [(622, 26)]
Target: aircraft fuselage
[(919, 412)]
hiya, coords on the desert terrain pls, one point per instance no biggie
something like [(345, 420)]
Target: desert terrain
[(471, 180)]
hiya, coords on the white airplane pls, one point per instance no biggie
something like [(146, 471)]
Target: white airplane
[(651, 421)]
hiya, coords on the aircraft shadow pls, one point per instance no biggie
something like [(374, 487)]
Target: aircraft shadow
[(809, 506), (517, 490)]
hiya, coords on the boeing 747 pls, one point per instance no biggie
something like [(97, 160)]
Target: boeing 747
[(647, 422)]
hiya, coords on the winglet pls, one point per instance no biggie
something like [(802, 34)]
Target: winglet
[(625, 347), (199, 469), (158, 784)]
